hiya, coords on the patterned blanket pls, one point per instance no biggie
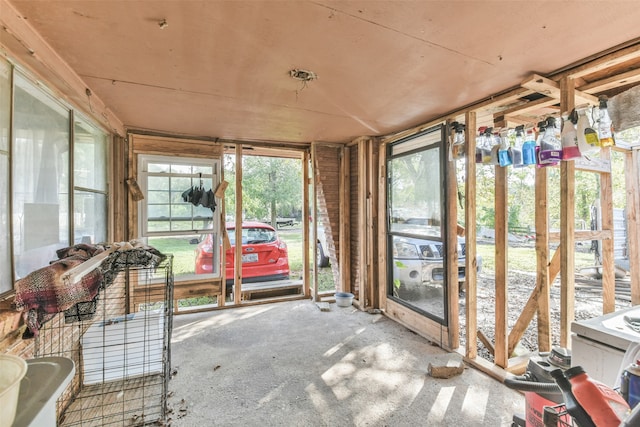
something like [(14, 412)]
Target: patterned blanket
[(45, 292)]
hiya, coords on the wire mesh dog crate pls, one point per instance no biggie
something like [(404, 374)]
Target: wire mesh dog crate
[(121, 345)]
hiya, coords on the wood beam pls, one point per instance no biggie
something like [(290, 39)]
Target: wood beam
[(237, 266), (501, 320), (534, 302), (567, 227), (471, 261), (306, 232), (632, 173), (382, 227), (612, 82), (584, 235), (451, 236), (606, 61), (608, 261), (551, 88), (542, 259)]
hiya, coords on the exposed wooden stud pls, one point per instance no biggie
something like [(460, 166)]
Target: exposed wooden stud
[(616, 57), (362, 295), (584, 235), (345, 215), (567, 227), (612, 82), (471, 261), (306, 258), (382, 227), (608, 261), (451, 245), (501, 302), (542, 259), (551, 88), (487, 343), (632, 173), (237, 266), (372, 218), (314, 214)]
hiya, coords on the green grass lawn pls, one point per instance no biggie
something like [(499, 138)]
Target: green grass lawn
[(524, 258)]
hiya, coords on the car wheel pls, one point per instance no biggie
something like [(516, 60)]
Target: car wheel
[(322, 259)]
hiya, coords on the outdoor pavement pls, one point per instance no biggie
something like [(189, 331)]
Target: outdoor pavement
[(290, 364)]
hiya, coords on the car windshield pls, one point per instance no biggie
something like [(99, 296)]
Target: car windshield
[(253, 235)]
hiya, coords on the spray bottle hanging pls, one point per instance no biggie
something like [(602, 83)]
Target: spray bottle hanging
[(504, 153), (605, 126), (569, 137), (458, 143), (550, 146), (588, 141), (516, 147), (529, 147)]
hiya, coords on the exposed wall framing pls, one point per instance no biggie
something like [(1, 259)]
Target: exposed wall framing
[(536, 98)]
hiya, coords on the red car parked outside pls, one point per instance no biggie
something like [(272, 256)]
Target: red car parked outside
[(264, 254)]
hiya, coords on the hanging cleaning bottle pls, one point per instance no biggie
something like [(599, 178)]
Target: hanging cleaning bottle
[(504, 153), (458, 146), (488, 145), (577, 412), (529, 148), (604, 405), (569, 137), (588, 141), (480, 144), (517, 138), (605, 127), (495, 148), (550, 146)]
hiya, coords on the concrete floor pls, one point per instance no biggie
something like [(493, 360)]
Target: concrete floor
[(289, 364)]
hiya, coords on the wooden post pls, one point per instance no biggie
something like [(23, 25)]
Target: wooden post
[(345, 220), (567, 226), (608, 259), (237, 266), (383, 273), (372, 224), (632, 173), (471, 262), (306, 259), (363, 287), (451, 237), (501, 231), (542, 259), (314, 214)]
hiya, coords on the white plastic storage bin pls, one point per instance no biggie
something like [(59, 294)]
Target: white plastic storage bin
[(123, 347)]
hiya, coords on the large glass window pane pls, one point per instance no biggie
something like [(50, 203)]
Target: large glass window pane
[(40, 160), (173, 225), (90, 217), (90, 163), (5, 122), (415, 217), (89, 157)]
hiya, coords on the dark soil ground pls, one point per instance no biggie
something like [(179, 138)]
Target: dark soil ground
[(588, 304)]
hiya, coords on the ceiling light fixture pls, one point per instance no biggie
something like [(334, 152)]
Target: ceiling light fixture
[(303, 75)]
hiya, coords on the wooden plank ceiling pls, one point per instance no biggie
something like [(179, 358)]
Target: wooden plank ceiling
[(221, 69)]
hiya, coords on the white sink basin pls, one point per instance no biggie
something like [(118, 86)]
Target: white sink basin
[(46, 379)]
